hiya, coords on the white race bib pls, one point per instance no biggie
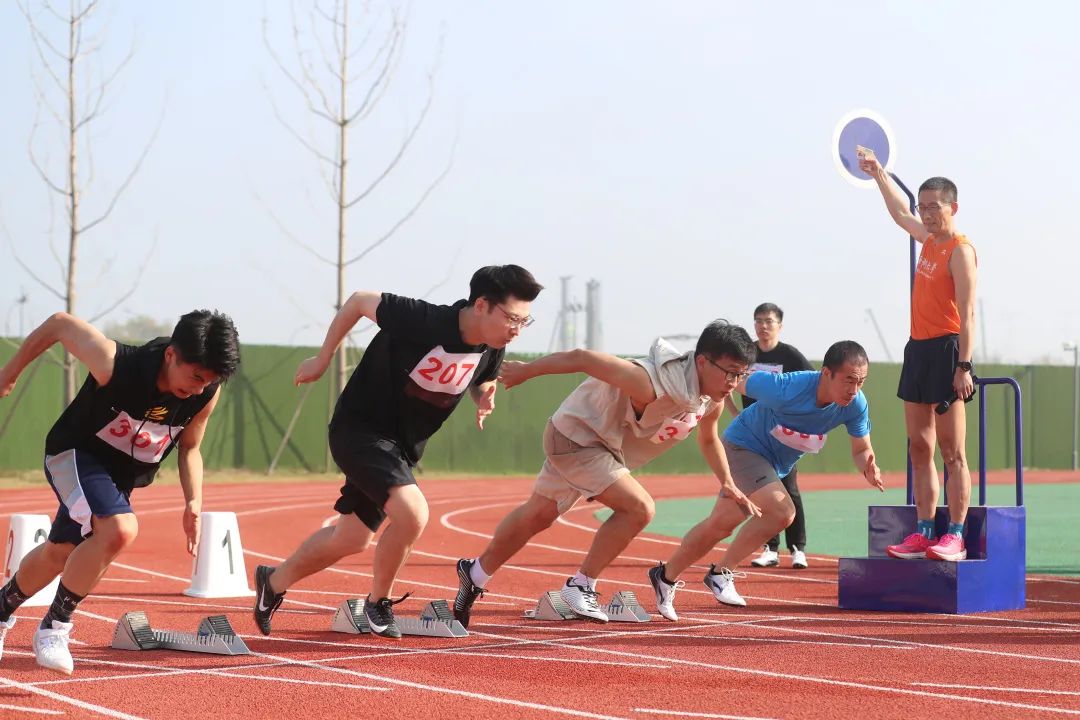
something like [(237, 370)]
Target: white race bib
[(767, 367), (147, 441), (674, 429), (798, 441), (445, 372)]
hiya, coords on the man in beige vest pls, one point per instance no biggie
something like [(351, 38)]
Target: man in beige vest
[(625, 414)]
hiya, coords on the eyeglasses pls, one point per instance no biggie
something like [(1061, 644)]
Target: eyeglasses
[(732, 375), (516, 321), (931, 209), (765, 321)]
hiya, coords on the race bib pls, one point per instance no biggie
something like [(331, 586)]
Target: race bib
[(674, 430), (798, 441), (445, 372), (767, 367), (145, 440)]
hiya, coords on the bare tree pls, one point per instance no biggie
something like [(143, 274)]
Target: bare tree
[(63, 53), (328, 88)]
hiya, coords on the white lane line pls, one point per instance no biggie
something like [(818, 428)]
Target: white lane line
[(99, 709), (803, 678), (1035, 691), (445, 522), (687, 713), (549, 659), (39, 711), (446, 690)]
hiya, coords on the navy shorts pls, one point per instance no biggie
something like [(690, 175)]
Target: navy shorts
[(929, 367), (85, 489), (372, 465)]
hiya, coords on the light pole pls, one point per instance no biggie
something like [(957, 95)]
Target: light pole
[(1075, 349)]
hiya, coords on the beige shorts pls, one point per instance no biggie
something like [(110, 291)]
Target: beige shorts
[(572, 471)]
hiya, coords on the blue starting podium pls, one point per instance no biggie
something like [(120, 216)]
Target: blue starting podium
[(992, 577)]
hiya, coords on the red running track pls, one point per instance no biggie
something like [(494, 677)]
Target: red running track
[(790, 654)]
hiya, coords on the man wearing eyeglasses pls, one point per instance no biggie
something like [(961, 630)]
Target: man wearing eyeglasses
[(793, 414), (778, 357), (411, 377), (937, 358), (626, 413)]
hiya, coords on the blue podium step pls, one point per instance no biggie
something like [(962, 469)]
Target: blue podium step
[(992, 578)]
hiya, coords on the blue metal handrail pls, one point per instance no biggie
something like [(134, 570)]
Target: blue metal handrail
[(1018, 429)]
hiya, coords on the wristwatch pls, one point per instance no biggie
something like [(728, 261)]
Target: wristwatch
[(964, 365)]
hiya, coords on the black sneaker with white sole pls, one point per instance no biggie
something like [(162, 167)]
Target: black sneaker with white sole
[(266, 600), (380, 616), (467, 594)]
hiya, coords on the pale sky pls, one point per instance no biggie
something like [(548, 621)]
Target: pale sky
[(679, 153)]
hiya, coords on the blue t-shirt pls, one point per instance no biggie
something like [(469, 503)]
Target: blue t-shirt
[(785, 423)]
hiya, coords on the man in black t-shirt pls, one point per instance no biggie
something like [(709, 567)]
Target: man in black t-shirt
[(424, 358), (777, 357), (136, 405)]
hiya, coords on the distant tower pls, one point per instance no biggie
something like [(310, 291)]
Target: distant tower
[(594, 338)]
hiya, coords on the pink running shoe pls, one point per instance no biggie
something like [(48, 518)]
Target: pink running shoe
[(949, 547), (914, 547)]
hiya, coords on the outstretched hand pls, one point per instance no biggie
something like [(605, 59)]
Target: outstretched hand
[(872, 473), (192, 528), (485, 404), (309, 371), (513, 373), (742, 500), (868, 162)]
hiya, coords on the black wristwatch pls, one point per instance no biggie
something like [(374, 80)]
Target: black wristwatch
[(964, 365)]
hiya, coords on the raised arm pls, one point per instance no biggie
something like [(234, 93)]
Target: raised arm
[(361, 304), (78, 337), (629, 377), (896, 202), (862, 454)]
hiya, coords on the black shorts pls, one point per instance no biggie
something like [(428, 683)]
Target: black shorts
[(929, 367), (85, 490), (372, 465)]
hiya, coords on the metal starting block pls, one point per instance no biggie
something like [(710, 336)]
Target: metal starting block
[(215, 635), (436, 620), (624, 607)]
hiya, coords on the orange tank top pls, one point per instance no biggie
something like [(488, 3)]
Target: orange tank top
[(933, 298)]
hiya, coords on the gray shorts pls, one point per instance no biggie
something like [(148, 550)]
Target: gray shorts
[(750, 471)]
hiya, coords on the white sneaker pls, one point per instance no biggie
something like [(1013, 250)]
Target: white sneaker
[(767, 558), (798, 559), (583, 601), (665, 593), (4, 627), (722, 584), (51, 647)]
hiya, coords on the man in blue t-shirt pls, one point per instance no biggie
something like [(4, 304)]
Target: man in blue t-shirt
[(792, 415)]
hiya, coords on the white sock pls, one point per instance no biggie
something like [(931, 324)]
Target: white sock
[(584, 580), (477, 574)]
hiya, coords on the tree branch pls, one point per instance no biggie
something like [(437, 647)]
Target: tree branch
[(127, 181), (32, 274), (285, 231), (135, 286), (292, 78), (308, 145), (382, 80), (412, 211), (401, 150)]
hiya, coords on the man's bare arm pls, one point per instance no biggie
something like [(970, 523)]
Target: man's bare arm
[(629, 377), (896, 202), (78, 337)]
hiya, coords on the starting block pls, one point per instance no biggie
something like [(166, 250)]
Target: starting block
[(215, 635), (624, 607), (436, 620)]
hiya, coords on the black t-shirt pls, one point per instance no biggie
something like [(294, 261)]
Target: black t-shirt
[(128, 425), (414, 373), (783, 358)]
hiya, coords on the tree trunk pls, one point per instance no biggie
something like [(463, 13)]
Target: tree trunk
[(73, 204)]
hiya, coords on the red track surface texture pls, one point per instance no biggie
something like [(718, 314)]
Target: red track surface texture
[(790, 654)]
